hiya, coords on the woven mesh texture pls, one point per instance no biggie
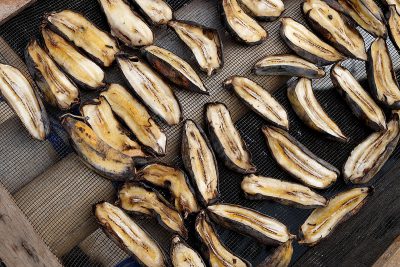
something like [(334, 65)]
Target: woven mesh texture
[(331, 151), (27, 159), (98, 245), (48, 199), (58, 202)]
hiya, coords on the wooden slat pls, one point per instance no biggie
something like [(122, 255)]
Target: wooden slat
[(391, 257), (20, 244), (10, 8)]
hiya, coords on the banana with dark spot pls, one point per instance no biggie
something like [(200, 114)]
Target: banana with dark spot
[(74, 27), (140, 199), (55, 86), (137, 118), (81, 69), (98, 114), (174, 68), (334, 28), (367, 14), (95, 153)]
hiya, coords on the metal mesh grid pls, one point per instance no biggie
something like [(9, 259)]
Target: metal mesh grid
[(26, 160), (48, 199), (103, 254), (238, 60)]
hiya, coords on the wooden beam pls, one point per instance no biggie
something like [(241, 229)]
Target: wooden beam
[(391, 257), (20, 244), (10, 8)]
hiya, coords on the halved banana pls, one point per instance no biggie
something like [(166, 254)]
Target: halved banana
[(174, 68), (81, 69), (25, 102), (157, 12), (154, 92), (359, 101), (259, 100), (226, 139), (98, 114), (306, 44), (137, 118), (394, 3), (280, 257), (199, 160), (367, 14), (176, 181), (298, 161), (84, 34), (368, 157), (334, 27), (182, 255), (381, 76), (95, 153), (57, 89), (323, 221), (393, 25), (288, 65), (205, 44), (263, 228), (286, 193), (125, 24), (129, 236), (267, 10), (213, 249), (140, 199), (243, 27), (308, 109)]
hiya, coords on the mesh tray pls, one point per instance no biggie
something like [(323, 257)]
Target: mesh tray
[(20, 29)]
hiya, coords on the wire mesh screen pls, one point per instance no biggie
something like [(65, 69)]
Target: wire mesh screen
[(92, 247), (334, 153)]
